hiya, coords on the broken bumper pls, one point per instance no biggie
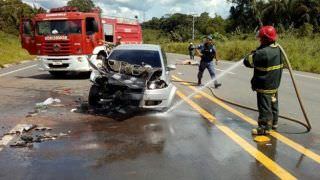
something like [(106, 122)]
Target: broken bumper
[(158, 98), (64, 63)]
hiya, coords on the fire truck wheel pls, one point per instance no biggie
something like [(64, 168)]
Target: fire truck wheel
[(94, 96), (58, 73)]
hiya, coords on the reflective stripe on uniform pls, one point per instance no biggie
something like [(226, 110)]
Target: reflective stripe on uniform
[(275, 45), (267, 91), (271, 68), (250, 60)]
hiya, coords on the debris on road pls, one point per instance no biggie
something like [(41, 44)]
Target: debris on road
[(188, 62), (45, 137), (64, 91), (20, 144), (19, 129), (42, 128), (43, 106), (82, 108), (57, 105), (47, 102), (63, 134), (26, 137)]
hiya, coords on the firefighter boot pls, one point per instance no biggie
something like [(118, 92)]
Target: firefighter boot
[(199, 82), (275, 125), (260, 131), (217, 85)]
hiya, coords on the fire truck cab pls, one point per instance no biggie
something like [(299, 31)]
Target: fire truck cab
[(64, 38)]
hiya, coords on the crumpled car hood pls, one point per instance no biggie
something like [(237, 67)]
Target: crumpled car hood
[(124, 74)]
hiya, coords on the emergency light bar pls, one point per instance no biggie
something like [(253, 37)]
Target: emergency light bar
[(64, 9)]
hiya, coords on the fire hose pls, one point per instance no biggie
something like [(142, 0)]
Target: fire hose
[(305, 124)]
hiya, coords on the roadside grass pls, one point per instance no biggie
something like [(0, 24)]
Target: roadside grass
[(11, 50), (303, 53)]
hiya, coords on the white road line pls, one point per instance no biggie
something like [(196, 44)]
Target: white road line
[(226, 62), (296, 74), (7, 138), (306, 76), (24, 68), (227, 72), (5, 141)]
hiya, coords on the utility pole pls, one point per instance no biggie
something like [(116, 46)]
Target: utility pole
[(193, 26), (144, 16)]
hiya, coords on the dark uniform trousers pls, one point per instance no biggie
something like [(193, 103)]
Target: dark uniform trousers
[(268, 109)]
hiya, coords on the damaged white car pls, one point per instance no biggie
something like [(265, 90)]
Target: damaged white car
[(132, 75)]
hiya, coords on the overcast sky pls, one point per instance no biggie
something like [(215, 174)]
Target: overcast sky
[(151, 8)]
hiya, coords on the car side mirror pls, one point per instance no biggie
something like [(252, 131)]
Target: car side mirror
[(171, 67)]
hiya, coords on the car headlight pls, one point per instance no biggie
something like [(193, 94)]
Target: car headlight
[(152, 85), (158, 84), (94, 74)]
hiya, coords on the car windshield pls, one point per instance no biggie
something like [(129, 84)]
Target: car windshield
[(138, 57), (59, 27)]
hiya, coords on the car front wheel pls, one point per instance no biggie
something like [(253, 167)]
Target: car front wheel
[(94, 96)]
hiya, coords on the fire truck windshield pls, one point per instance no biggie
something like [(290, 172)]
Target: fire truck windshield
[(59, 27)]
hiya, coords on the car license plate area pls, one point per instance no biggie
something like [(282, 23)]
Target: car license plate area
[(57, 63)]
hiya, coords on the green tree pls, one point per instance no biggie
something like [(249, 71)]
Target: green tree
[(283, 14), (82, 5), (11, 11), (244, 15), (306, 11), (178, 27)]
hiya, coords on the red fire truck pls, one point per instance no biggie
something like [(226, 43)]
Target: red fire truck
[(64, 38)]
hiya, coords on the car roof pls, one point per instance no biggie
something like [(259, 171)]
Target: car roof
[(150, 47)]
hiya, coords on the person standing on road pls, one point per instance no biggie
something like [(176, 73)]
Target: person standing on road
[(268, 65), (207, 52), (191, 49)]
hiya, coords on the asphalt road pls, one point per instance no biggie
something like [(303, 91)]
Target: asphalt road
[(202, 138)]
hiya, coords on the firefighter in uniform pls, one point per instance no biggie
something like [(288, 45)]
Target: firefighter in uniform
[(267, 62)]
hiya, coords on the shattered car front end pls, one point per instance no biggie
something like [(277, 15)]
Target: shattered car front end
[(118, 84)]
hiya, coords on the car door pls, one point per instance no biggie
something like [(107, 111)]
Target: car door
[(27, 36)]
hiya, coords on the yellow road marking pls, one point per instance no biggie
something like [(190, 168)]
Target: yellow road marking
[(301, 149), (263, 159), (197, 96)]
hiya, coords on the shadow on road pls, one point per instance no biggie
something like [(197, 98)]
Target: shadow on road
[(71, 76), (120, 114)]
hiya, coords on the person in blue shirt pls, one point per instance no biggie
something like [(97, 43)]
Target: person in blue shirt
[(207, 52)]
